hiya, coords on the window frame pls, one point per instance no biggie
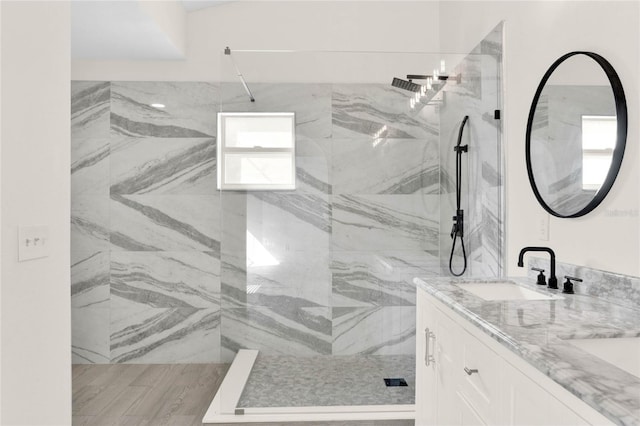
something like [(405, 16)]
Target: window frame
[(222, 149), (607, 152)]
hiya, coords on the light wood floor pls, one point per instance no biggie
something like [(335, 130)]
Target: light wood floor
[(144, 395), (158, 394)]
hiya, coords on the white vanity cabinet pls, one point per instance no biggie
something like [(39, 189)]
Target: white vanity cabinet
[(463, 377), (436, 355)]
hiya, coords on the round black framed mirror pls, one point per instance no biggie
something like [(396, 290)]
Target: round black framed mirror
[(576, 134)]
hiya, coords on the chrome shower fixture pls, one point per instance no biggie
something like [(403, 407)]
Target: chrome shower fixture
[(227, 51)]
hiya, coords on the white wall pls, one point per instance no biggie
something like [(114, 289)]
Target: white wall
[(394, 26), (537, 33), (34, 188), (171, 18)]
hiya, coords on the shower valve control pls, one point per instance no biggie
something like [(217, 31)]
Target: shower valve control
[(458, 224)]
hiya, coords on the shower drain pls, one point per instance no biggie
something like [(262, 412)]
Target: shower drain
[(395, 382)]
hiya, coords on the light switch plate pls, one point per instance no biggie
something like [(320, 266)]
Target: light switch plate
[(33, 242), (543, 226)]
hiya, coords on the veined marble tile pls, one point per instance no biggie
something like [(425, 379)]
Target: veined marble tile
[(407, 261), (165, 223), (313, 164), (377, 110), (90, 335), (283, 221), (90, 280), (233, 208), (378, 278), (90, 102), (165, 279), (233, 248), (163, 165), (620, 289), (89, 223), (385, 166), (284, 330), (301, 279), (233, 281), (386, 330), (311, 104), (189, 112), (312, 175), (385, 222), (165, 335), (314, 147), (89, 166), (490, 246)]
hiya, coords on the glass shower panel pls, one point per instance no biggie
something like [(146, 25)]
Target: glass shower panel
[(319, 279), (479, 96)]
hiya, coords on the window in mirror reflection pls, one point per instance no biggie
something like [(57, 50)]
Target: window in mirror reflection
[(598, 141)]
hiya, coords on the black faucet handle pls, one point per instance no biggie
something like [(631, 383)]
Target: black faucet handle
[(568, 285), (541, 278)]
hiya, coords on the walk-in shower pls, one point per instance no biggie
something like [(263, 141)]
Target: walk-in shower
[(317, 301)]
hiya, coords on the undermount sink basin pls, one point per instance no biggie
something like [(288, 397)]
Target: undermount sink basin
[(504, 290), (623, 352)]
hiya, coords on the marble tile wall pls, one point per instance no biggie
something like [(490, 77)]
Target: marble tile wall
[(478, 95), (167, 269), (145, 223), (362, 222)]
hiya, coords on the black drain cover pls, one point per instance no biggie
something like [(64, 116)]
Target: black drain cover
[(395, 382)]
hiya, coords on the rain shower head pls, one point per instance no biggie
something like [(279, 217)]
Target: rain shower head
[(435, 80), (406, 85)]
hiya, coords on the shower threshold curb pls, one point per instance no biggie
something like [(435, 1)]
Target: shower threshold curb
[(223, 407)]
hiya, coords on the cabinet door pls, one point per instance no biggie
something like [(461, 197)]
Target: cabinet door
[(425, 374), (532, 405), (448, 370), (436, 378), (468, 416)]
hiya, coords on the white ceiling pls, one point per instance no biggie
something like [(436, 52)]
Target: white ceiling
[(122, 30), (191, 5)]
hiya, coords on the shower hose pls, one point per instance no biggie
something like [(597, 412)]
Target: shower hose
[(458, 220)]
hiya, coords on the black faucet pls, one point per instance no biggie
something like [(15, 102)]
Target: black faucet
[(553, 281)]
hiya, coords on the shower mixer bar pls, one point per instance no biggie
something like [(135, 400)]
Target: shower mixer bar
[(227, 51)]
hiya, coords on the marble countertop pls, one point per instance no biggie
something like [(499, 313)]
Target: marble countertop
[(538, 331)]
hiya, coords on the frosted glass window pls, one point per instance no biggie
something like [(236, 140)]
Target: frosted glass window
[(258, 168), (256, 151), (599, 134)]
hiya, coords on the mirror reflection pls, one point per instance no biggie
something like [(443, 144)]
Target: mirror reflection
[(573, 136)]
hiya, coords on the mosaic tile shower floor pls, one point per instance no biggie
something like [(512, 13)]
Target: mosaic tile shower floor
[(281, 381)]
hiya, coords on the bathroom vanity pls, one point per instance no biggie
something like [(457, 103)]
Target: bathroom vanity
[(528, 360)]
